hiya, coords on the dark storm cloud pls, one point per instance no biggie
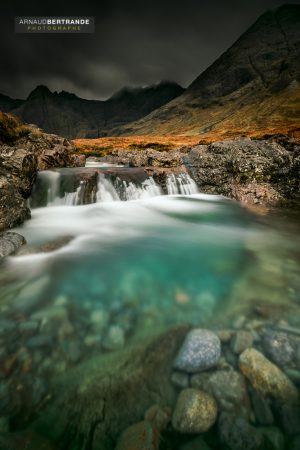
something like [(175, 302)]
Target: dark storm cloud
[(136, 43)]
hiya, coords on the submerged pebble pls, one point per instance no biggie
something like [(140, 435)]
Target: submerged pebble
[(140, 436), (115, 338), (201, 350), (240, 341), (195, 411), (237, 434), (279, 347), (267, 378), (227, 387)]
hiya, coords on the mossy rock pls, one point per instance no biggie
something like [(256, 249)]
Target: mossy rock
[(107, 394)]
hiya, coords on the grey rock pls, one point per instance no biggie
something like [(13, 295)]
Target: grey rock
[(195, 412), (10, 242), (180, 379), (19, 163), (240, 341), (238, 434), (227, 387), (279, 347), (266, 377), (135, 378), (201, 350)]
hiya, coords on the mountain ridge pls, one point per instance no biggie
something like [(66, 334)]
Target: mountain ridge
[(254, 85), (71, 116)]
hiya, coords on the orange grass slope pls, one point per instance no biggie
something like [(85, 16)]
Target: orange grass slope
[(103, 146), (233, 115)]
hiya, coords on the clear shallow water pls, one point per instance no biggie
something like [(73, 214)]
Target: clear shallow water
[(163, 260), (129, 268)]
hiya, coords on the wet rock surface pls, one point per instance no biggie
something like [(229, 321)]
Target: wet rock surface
[(253, 406), (228, 387), (251, 171), (195, 411), (267, 378), (10, 243), (19, 163), (201, 350), (279, 348), (237, 434)]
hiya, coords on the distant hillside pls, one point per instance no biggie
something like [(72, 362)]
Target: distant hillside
[(73, 117), (253, 88)]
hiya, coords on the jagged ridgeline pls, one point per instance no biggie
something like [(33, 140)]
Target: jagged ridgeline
[(66, 114), (253, 88)]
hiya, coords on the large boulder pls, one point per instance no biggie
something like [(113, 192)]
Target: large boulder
[(95, 403), (251, 171), (20, 159), (10, 243)]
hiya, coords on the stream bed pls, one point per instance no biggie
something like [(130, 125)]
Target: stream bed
[(95, 278)]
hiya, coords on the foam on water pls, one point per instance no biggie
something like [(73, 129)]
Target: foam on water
[(108, 188)]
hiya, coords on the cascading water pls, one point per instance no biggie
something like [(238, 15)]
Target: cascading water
[(181, 184), (100, 277), (55, 188)]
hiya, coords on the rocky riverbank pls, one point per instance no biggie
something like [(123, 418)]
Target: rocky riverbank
[(233, 388), (265, 172), (23, 151)]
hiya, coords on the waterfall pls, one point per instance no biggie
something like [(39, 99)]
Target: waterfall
[(181, 184), (106, 191), (52, 179), (68, 187), (117, 190), (71, 198)]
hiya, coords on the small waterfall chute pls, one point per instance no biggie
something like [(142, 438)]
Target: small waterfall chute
[(71, 188), (181, 184), (106, 192)]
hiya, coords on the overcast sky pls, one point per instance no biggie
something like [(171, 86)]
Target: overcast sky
[(137, 43)]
